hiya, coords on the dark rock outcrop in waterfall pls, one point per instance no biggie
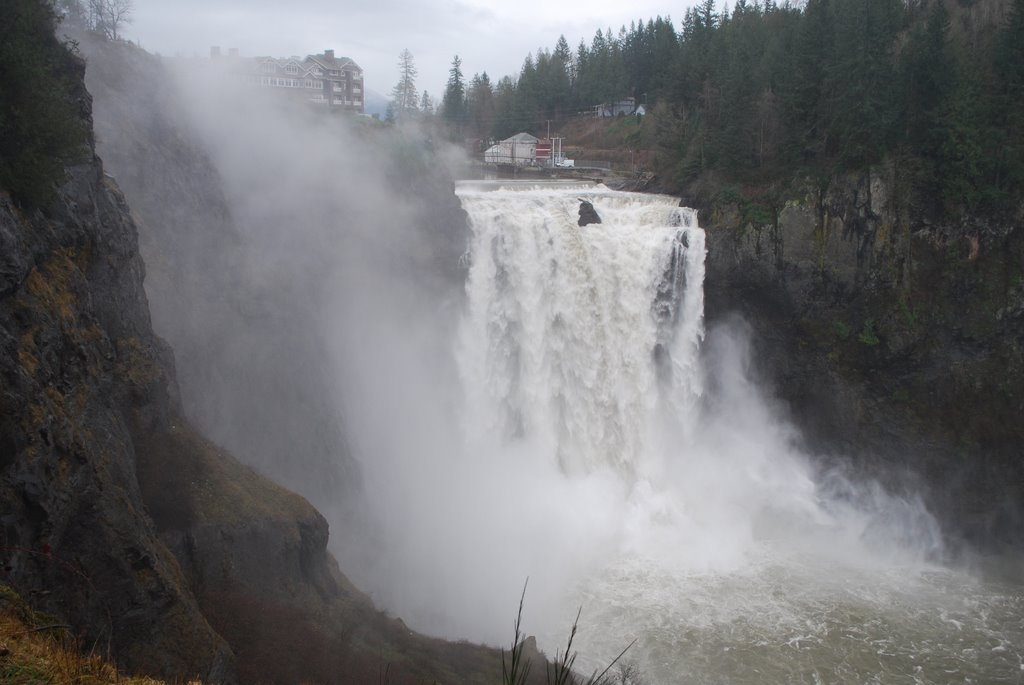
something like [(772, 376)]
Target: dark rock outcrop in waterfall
[(588, 215)]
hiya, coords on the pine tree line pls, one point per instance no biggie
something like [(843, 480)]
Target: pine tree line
[(768, 89)]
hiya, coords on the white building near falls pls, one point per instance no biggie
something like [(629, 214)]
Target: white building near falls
[(519, 150)]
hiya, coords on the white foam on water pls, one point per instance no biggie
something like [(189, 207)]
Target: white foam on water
[(604, 445)]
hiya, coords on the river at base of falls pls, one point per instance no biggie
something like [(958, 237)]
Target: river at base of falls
[(624, 460), (799, 619)]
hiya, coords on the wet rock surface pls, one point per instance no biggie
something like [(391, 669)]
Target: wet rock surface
[(588, 215), (896, 344), (116, 515), (83, 379)]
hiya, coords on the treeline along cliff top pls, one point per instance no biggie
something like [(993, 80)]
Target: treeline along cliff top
[(769, 90)]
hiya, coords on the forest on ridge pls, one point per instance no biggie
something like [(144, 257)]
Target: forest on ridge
[(764, 90)]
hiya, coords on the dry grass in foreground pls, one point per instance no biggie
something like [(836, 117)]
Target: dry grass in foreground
[(35, 650)]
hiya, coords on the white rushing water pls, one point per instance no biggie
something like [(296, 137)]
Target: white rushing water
[(625, 461)]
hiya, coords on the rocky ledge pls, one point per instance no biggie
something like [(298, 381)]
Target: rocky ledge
[(895, 342)]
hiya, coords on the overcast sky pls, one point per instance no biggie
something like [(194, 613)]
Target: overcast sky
[(488, 36)]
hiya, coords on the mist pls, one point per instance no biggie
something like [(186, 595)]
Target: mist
[(463, 382), (349, 284), (282, 261)]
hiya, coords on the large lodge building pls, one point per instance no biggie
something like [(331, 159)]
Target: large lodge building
[(336, 82)]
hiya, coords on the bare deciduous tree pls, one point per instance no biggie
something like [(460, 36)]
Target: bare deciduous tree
[(109, 16)]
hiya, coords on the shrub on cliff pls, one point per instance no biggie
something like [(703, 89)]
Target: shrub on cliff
[(41, 126)]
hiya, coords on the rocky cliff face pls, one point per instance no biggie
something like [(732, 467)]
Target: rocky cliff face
[(235, 347), (84, 378), (897, 343), (290, 254), (117, 516), (200, 540), (254, 255)]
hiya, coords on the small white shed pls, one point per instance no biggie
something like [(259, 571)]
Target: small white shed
[(519, 150)]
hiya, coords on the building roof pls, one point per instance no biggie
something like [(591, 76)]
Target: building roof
[(329, 61), (523, 137)]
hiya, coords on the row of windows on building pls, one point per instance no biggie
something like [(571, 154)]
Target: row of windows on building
[(290, 82), (271, 67), (293, 83), (337, 101)]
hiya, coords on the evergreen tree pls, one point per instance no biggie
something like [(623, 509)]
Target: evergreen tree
[(581, 70), (804, 96), (453, 105), (528, 94), (480, 106), (41, 127), (426, 105), (556, 83), (507, 117), (404, 94), (1010, 99), (660, 45), (859, 80), (928, 76), (563, 55)]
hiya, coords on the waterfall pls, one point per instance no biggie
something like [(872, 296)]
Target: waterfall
[(577, 337), (588, 433)]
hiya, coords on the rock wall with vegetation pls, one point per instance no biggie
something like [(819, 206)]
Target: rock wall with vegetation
[(213, 306), (84, 378), (247, 299), (896, 341), (144, 541)]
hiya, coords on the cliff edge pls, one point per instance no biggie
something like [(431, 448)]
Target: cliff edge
[(156, 546), (894, 339), (84, 378)]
